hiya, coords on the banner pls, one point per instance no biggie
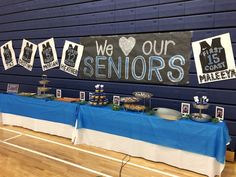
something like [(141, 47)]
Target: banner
[(214, 59), (27, 54), (158, 58), (48, 54), (71, 57), (8, 55)]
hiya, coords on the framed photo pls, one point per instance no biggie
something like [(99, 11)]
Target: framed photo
[(185, 108), (219, 113), (58, 93), (12, 88), (116, 100), (82, 96), (90, 95)]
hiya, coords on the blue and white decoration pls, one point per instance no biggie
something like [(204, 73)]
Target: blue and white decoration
[(8, 55)]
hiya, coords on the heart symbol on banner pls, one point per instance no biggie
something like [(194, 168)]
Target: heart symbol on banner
[(127, 44)]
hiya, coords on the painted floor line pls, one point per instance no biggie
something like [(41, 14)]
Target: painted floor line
[(12, 137), (99, 155), (57, 159)]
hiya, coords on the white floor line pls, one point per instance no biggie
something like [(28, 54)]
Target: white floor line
[(12, 137), (99, 155), (57, 159)]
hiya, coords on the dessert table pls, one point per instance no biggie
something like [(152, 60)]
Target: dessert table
[(186, 144)]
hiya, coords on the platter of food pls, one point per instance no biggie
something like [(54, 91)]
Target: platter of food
[(26, 94), (142, 94), (68, 99), (129, 99), (168, 114), (134, 107), (200, 117)]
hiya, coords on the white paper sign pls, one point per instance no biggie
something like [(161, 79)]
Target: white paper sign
[(58, 93), (12, 88), (219, 113), (71, 57), (48, 54), (82, 96), (8, 55), (116, 100), (27, 54), (214, 59)]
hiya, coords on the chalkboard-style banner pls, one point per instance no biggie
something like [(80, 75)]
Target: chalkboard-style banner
[(145, 58)]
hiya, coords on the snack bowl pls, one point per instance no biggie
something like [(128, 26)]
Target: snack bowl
[(200, 117), (166, 113)]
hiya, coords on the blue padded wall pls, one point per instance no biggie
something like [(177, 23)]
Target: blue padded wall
[(37, 20)]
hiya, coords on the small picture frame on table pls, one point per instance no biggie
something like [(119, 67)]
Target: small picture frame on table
[(12, 88), (116, 100), (185, 108), (58, 93), (82, 96), (219, 113)]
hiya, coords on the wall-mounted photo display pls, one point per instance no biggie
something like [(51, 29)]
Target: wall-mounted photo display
[(58, 93), (185, 108), (48, 54), (12, 88), (214, 59), (116, 100), (71, 57), (219, 113), (8, 55), (82, 96), (27, 54)]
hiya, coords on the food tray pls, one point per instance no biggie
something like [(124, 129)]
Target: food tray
[(68, 99), (142, 94), (26, 94), (134, 107), (44, 96), (200, 106), (129, 99), (200, 118), (44, 89), (43, 82), (168, 114)]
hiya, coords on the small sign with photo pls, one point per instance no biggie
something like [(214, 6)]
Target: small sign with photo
[(185, 108), (58, 93), (8, 55), (116, 100), (12, 88), (219, 113), (82, 96)]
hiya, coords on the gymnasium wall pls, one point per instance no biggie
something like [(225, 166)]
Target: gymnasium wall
[(38, 20)]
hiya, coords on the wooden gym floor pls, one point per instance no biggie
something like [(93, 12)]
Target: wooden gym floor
[(24, 153)]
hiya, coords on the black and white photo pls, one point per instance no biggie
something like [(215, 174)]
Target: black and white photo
[(71, 57), (116, 100), (8, 55), (82, 96), (27, 54), (58, 93), (48, 54)]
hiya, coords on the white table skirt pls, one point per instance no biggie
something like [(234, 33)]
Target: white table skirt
[(178, 158), (38, 125)]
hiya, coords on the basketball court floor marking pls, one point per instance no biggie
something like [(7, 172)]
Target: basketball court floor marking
[(93, 153)]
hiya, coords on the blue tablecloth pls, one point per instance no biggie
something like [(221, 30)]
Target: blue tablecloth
[(208, 139), (49, 110)]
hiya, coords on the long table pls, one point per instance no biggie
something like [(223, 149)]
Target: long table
[(43, 115), (195, 146)]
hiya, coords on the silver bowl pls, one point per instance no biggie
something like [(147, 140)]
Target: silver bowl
[(168, 114), (200, 117)]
